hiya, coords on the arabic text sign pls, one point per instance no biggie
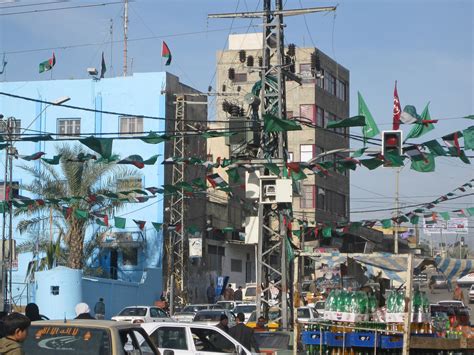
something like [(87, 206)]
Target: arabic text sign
[(453, 226)]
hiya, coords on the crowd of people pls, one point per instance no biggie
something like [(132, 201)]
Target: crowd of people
[(240, 332), (228, 294)]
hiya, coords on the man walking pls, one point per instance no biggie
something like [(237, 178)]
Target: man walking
[(238, 294), (99, 309), (243, 334), (211, 293), (229, 293)]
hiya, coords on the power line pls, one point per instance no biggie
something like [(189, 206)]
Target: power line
[(60, 8), (28, 5)]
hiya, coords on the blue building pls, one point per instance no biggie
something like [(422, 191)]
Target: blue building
[(127, 258)]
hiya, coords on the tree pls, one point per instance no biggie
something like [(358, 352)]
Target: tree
[(89, 186)]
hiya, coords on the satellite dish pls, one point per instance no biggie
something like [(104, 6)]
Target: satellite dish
[(251, 99)]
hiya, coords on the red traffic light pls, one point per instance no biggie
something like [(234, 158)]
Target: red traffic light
[(391, 140)]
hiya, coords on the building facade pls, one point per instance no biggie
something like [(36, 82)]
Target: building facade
[(118, 106)]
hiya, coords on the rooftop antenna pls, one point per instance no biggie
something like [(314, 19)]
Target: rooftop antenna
[(125, 36)]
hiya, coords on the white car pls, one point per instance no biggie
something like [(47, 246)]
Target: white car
[(245, 308), (188, 312), (141, 314), (192, 339), (306, 314), (212, 317)]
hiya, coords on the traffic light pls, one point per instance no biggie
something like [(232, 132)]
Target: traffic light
[(392, 142)]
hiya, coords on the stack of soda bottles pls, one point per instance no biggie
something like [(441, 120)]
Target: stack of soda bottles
[(347, 306), (420, 308)]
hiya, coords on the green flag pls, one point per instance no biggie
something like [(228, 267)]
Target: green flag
[(81, 214), (273, 168), (153, 138), (418, 129), (233, 174), (463, 157), (414, 219), (356, 121), (214, 134), (370, 129), (435, 148), (103, 146), (199, 183), (275, 124), (158, 226), (47, 64), (372, 163), (120, 222), (445, 216), (426, 165), (470, 211), (54, 161), (327, 232), (468, 134), (386, 223), (394, 159), (358, 153)]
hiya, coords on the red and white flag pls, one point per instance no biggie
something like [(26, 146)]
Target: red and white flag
[(397, 110)]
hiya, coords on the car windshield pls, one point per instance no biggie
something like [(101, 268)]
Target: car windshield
[(245, 309), (207, 316), (193, 308), (253, 317), (319, 305), (60, 339), (133, 312), (305, 287), (303, 313), (225, 305), (251, 291)]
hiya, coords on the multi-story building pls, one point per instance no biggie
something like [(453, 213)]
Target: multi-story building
[(129, 258), (323, 96)]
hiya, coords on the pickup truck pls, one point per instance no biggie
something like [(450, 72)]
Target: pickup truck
[(84, 336)]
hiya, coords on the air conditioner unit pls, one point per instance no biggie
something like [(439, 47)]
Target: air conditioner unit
[(269, 190)]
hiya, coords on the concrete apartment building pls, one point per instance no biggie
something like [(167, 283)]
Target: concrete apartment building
[(319, 100)]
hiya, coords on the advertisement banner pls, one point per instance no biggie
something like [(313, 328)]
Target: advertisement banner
[(453, 226), (195, 247)]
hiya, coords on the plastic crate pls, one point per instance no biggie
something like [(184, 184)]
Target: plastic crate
[(391, 341), (363, 339), (313, 337), (336, 339)]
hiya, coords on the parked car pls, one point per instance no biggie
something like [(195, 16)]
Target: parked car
[(306, 314), (439, 281), (245, 308), (421, 279), (471, 294), (141, 314), (212, 317), (192, 339), (319, 307), (84, 336), (250, 293), (188, 312), (230, 305)]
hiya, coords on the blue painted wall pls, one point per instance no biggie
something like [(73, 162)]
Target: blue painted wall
[(139, 94)]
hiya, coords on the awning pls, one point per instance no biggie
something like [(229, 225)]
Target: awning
[(454, 268)]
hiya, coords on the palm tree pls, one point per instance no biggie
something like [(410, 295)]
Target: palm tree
[(81, 182)]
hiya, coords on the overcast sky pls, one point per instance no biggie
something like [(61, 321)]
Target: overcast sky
[(426, 45)]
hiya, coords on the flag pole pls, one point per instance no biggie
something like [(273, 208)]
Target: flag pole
[(161, 57)]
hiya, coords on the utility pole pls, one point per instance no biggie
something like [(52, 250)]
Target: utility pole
[(272, 244), (111, 31), (125, 36), (397, 209)]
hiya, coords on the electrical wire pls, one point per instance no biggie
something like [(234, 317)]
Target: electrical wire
[(28, 5), (60, 8)]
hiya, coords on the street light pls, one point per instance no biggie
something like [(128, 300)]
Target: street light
[(59, 101)]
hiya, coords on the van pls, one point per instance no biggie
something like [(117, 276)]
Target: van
[(250, 293)]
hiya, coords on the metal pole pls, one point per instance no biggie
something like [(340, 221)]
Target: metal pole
[(408, 296), (397, 207), (4, 269), (10, 226), (296, 296), (125, 36), (171, 295)]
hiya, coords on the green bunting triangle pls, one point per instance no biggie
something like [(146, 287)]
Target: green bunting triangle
[(370, 129), (425, 165), (233, 174), (157, 226), (273, 168), (419, 128), (120, 222), (53, 161), (153, 138), (275, 124), (103, 146), (81, 214), (468, 138), (327, 232), (435, 148), (372, 163), (386, 223), (356, 121), (445, 216)]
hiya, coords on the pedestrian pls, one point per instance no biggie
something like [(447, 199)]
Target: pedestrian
[(458, 294), (229, 293), (83, 311), (238, 294), (243, 334), (211, 293), (261, 324), (223, 323), (431, 285), (99, 309), (32, 312), (16, 330)]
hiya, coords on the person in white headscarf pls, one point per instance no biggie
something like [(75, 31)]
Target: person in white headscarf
[(83, 311)]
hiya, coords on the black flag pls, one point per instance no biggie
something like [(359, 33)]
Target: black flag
[(103, 68)]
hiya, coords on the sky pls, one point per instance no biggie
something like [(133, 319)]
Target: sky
[(426, 45)]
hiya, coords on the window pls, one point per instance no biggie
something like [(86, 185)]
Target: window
[(69, 127), (307, 196), (240, 78), (130, 256), (320, 117), (235, 265), (320, 79), (306, 74), (336, 203), (16, 127), (330, 83), (170, 337), (211, 341), (157, 313), (318, 152), (15, 189), (55, 290), (308, 111), (215, 254), (341, 90), (131, 125), (321, 199), (329, 117), (306, 152)]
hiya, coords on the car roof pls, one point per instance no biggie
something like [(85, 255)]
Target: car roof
[(152, 326), (85, 323)]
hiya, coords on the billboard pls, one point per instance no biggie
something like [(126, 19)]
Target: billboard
[(453, 226)]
